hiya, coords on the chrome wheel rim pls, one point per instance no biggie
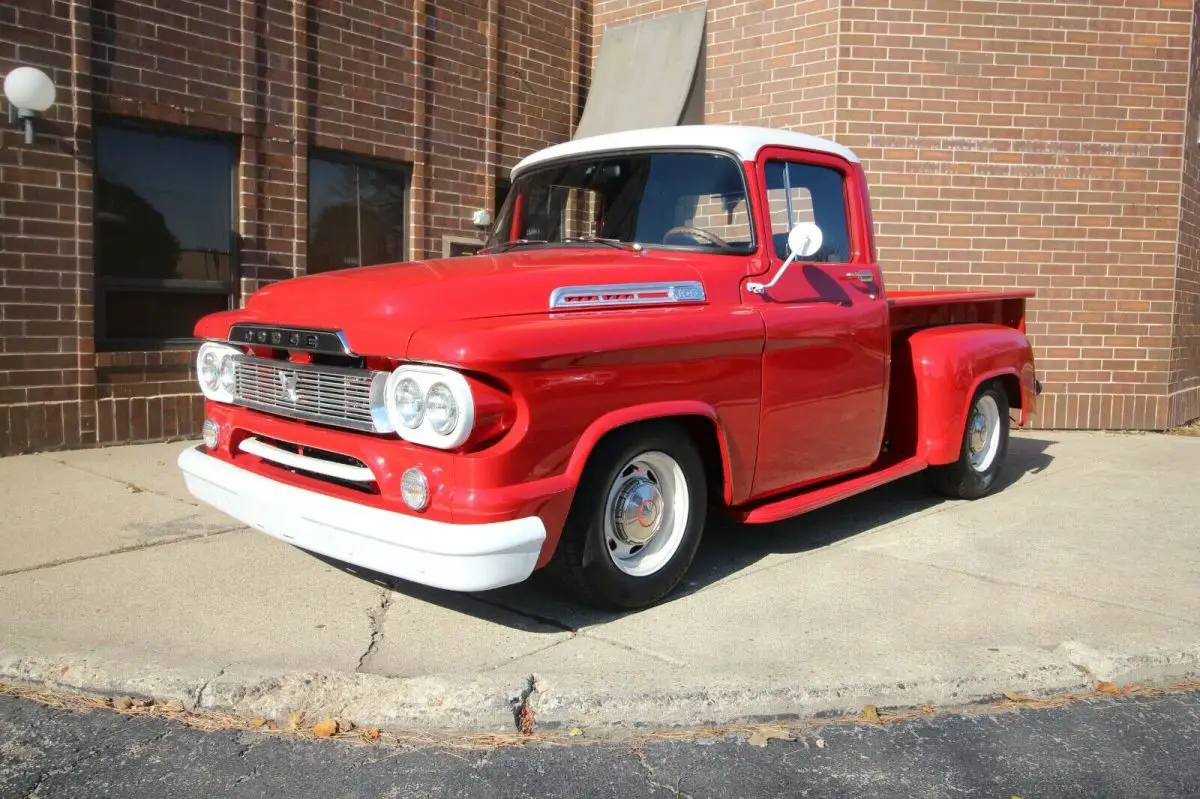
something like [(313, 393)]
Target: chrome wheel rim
[(983, 433), (645, 514)]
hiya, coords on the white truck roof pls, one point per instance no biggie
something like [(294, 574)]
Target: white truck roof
[(742, 141)]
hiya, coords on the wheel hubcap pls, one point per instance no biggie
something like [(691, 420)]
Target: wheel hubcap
[(983, 433), (978, 433), (646, 514), (639, 510)]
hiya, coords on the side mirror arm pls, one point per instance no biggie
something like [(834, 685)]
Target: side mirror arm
[(761, 288)]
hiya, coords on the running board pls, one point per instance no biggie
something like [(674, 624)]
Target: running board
[(827, 493)]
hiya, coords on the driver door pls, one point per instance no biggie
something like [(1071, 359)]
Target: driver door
[(825, 359)]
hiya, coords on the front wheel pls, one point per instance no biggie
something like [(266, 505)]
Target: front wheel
[(636, 520), (983, 448)]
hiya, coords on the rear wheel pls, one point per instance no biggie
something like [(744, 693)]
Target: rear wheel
[(636, 520), (983, 448)]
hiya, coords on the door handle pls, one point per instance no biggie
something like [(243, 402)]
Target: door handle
[(861, 275)]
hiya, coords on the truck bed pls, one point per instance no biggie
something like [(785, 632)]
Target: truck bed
[(912, 310), (908, 299)]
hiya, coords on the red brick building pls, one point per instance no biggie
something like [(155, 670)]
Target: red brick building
[(199, 150)]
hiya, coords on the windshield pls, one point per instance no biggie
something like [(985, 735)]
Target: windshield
[(669, 200)]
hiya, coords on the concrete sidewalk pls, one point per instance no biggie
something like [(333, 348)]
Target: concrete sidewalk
[(1084, 567)]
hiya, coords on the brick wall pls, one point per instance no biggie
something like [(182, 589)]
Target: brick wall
[(1007, 144), (1035, 145), (44, 239), (454, 91), (773, 63), (1185, 359)]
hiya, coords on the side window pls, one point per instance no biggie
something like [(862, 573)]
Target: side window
[(808, 193)]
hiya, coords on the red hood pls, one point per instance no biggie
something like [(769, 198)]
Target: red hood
[(380, 307)]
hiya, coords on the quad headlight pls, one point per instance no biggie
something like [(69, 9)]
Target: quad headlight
[(430, 405), (216, 370)]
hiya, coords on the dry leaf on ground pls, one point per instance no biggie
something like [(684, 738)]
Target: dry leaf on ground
[(762, 735), (871, 714), (1107, 688), (325, 729)]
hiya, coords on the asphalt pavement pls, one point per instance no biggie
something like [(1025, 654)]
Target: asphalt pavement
[(1139, 747)]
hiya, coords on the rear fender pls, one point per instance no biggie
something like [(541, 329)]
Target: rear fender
[(645, 413), (950, 363)]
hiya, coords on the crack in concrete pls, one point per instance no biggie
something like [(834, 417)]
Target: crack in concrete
[(1027, 586), (50, 457), (204, 687), (122, 550), (375, 619), (540, 650), (549, 621), (670, 661), (651, 780), (523, 715)]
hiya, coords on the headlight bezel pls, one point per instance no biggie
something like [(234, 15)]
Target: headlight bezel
[(426, 376), (216, 392)]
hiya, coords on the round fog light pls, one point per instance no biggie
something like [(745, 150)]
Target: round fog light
[(415, 489), (211, 433)]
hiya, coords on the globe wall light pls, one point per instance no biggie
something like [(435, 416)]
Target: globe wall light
[(30, 92)]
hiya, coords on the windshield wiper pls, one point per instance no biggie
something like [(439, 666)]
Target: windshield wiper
[(620, 245), (508, 245)]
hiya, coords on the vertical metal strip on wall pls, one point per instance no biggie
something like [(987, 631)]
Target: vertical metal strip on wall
[(299, 132), (491, 93), (420, 125)]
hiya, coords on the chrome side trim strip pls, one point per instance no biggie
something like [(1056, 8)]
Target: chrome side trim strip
[(339, 471), (626, 294)]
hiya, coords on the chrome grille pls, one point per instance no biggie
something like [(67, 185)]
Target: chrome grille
[(325, 394)]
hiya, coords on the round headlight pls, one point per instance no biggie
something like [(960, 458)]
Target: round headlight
[(409, 404), (228, 374), (210, 368), (441, 409)]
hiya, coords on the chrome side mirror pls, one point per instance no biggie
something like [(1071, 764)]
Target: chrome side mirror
[(804, 239)]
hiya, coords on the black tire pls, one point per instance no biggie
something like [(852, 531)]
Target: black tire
[(962, 479), (582, 563)]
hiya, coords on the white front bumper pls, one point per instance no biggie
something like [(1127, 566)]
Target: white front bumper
[(458, 557)]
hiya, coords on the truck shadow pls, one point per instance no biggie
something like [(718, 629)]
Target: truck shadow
[(728, 549)]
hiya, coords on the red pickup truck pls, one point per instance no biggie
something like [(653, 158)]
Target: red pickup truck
[(663, 324)]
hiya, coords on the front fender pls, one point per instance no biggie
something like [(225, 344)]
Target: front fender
[(950, 363)]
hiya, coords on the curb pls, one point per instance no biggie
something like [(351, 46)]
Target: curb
[(508, 702)]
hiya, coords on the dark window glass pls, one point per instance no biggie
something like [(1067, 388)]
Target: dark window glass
[(808, 193), (685, 200), (356, 213), (158, 314), (164, 220), (503, 187)]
